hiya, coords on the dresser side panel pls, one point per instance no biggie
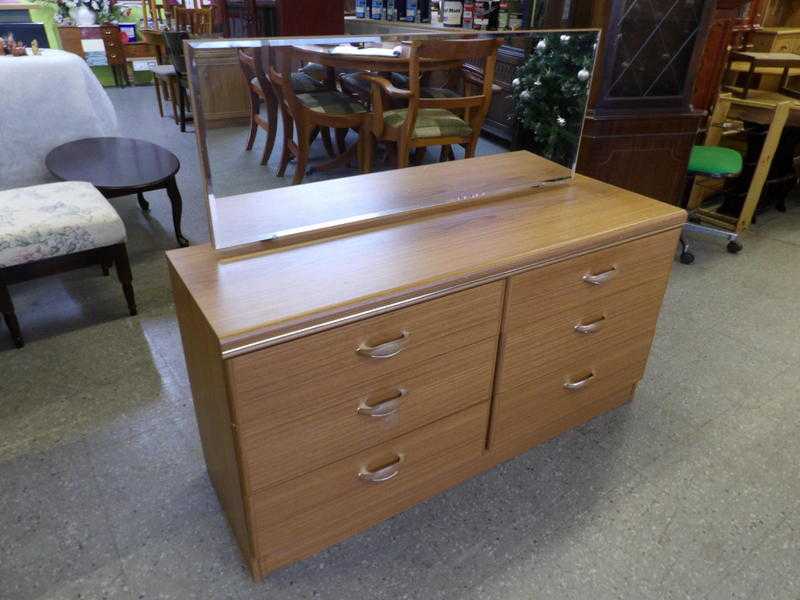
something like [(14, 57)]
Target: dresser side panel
[(210, 394)]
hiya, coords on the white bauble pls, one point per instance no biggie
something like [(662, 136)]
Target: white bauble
[(516, 82), (583, 75), (541, 45), (525, 95), (561, 121), (564, 38)]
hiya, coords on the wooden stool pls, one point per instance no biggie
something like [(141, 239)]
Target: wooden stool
[(57, 227)]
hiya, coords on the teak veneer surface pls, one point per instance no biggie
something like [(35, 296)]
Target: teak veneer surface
[(252, 297), (289, 211)]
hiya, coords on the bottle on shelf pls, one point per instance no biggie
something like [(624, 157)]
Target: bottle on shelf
[(391, 10), (502, 15), (452, 11), (468, 12), (377, 10), (361, 9), (515, 14), (409, 10)]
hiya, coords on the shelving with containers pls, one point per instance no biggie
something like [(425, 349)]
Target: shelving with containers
[(489, 15)]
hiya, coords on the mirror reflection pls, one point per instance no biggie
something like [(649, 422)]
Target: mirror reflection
[(275, 112)]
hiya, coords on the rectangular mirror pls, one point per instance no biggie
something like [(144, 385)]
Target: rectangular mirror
[(536, 101)]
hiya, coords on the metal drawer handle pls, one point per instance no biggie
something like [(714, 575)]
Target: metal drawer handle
[(590, 327), (385, 350), (598, 278), (576, 385), (386, 473), (382, 409)]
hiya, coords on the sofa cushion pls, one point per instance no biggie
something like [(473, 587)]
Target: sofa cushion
[(431, 123), (55, 219)]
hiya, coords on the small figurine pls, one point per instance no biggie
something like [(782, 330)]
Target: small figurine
[(35, 47), (19, 50)]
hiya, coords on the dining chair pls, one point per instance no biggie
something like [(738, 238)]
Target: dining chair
[(443, 120), (306, 113), (173, 40), (261, 92)]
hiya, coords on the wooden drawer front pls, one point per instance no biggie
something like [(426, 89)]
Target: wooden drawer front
[(443, 386), (523, 409), (302, 516), (552, 343), (554, 288), (292, 380)]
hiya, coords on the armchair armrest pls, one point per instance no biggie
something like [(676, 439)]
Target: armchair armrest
[(385, 85)]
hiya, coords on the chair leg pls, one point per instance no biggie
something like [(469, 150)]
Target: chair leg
[(302, 155), (10, 317), (173, 95), (254, 104), (341, 140), (327, 142), (286, 153), (365, 138), (157, 85), (125, 276), (182, 103), (419, 155), (402, 155), (272, 131), (469, 149)]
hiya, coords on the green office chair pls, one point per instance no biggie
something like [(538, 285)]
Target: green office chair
[(715, 162)]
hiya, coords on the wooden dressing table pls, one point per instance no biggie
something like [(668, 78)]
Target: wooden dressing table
[(342, 375)]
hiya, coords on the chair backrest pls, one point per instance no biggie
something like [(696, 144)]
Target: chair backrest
[(173, 40), (252, 66), (426, 55), (282, 62), (194, 20), (113, 43)]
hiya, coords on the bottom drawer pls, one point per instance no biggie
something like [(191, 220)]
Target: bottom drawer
[(295, 519), (526, 408)]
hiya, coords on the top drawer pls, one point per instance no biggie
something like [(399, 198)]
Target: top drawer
[(551, 289), (294, 379)]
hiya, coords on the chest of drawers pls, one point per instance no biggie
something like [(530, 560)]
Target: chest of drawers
[(339, 381)]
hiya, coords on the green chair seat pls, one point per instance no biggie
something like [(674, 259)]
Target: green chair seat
[(431, 123), (714, 161), (331, 103)]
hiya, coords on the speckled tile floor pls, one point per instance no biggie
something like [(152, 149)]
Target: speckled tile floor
[(690, 491)]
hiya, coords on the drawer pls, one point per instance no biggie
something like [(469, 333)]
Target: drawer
[(522, 410), (304, 515), (285, 382), (552, 343), (370, 414), (587, 278)]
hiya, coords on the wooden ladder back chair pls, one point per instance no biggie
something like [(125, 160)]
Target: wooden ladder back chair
[(260, 91), (434, 121), (311, 112)]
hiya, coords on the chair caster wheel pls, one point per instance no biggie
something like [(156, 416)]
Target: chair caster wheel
[(687, 258), (734, 247)]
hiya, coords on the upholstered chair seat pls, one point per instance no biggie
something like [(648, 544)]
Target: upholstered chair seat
[(430, 123)]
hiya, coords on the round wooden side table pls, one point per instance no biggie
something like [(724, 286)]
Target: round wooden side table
[(121, 166)]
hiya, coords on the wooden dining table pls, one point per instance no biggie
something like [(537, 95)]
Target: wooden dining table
[(361, 59)]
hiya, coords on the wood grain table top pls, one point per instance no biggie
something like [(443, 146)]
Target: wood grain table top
[(264, 297)]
